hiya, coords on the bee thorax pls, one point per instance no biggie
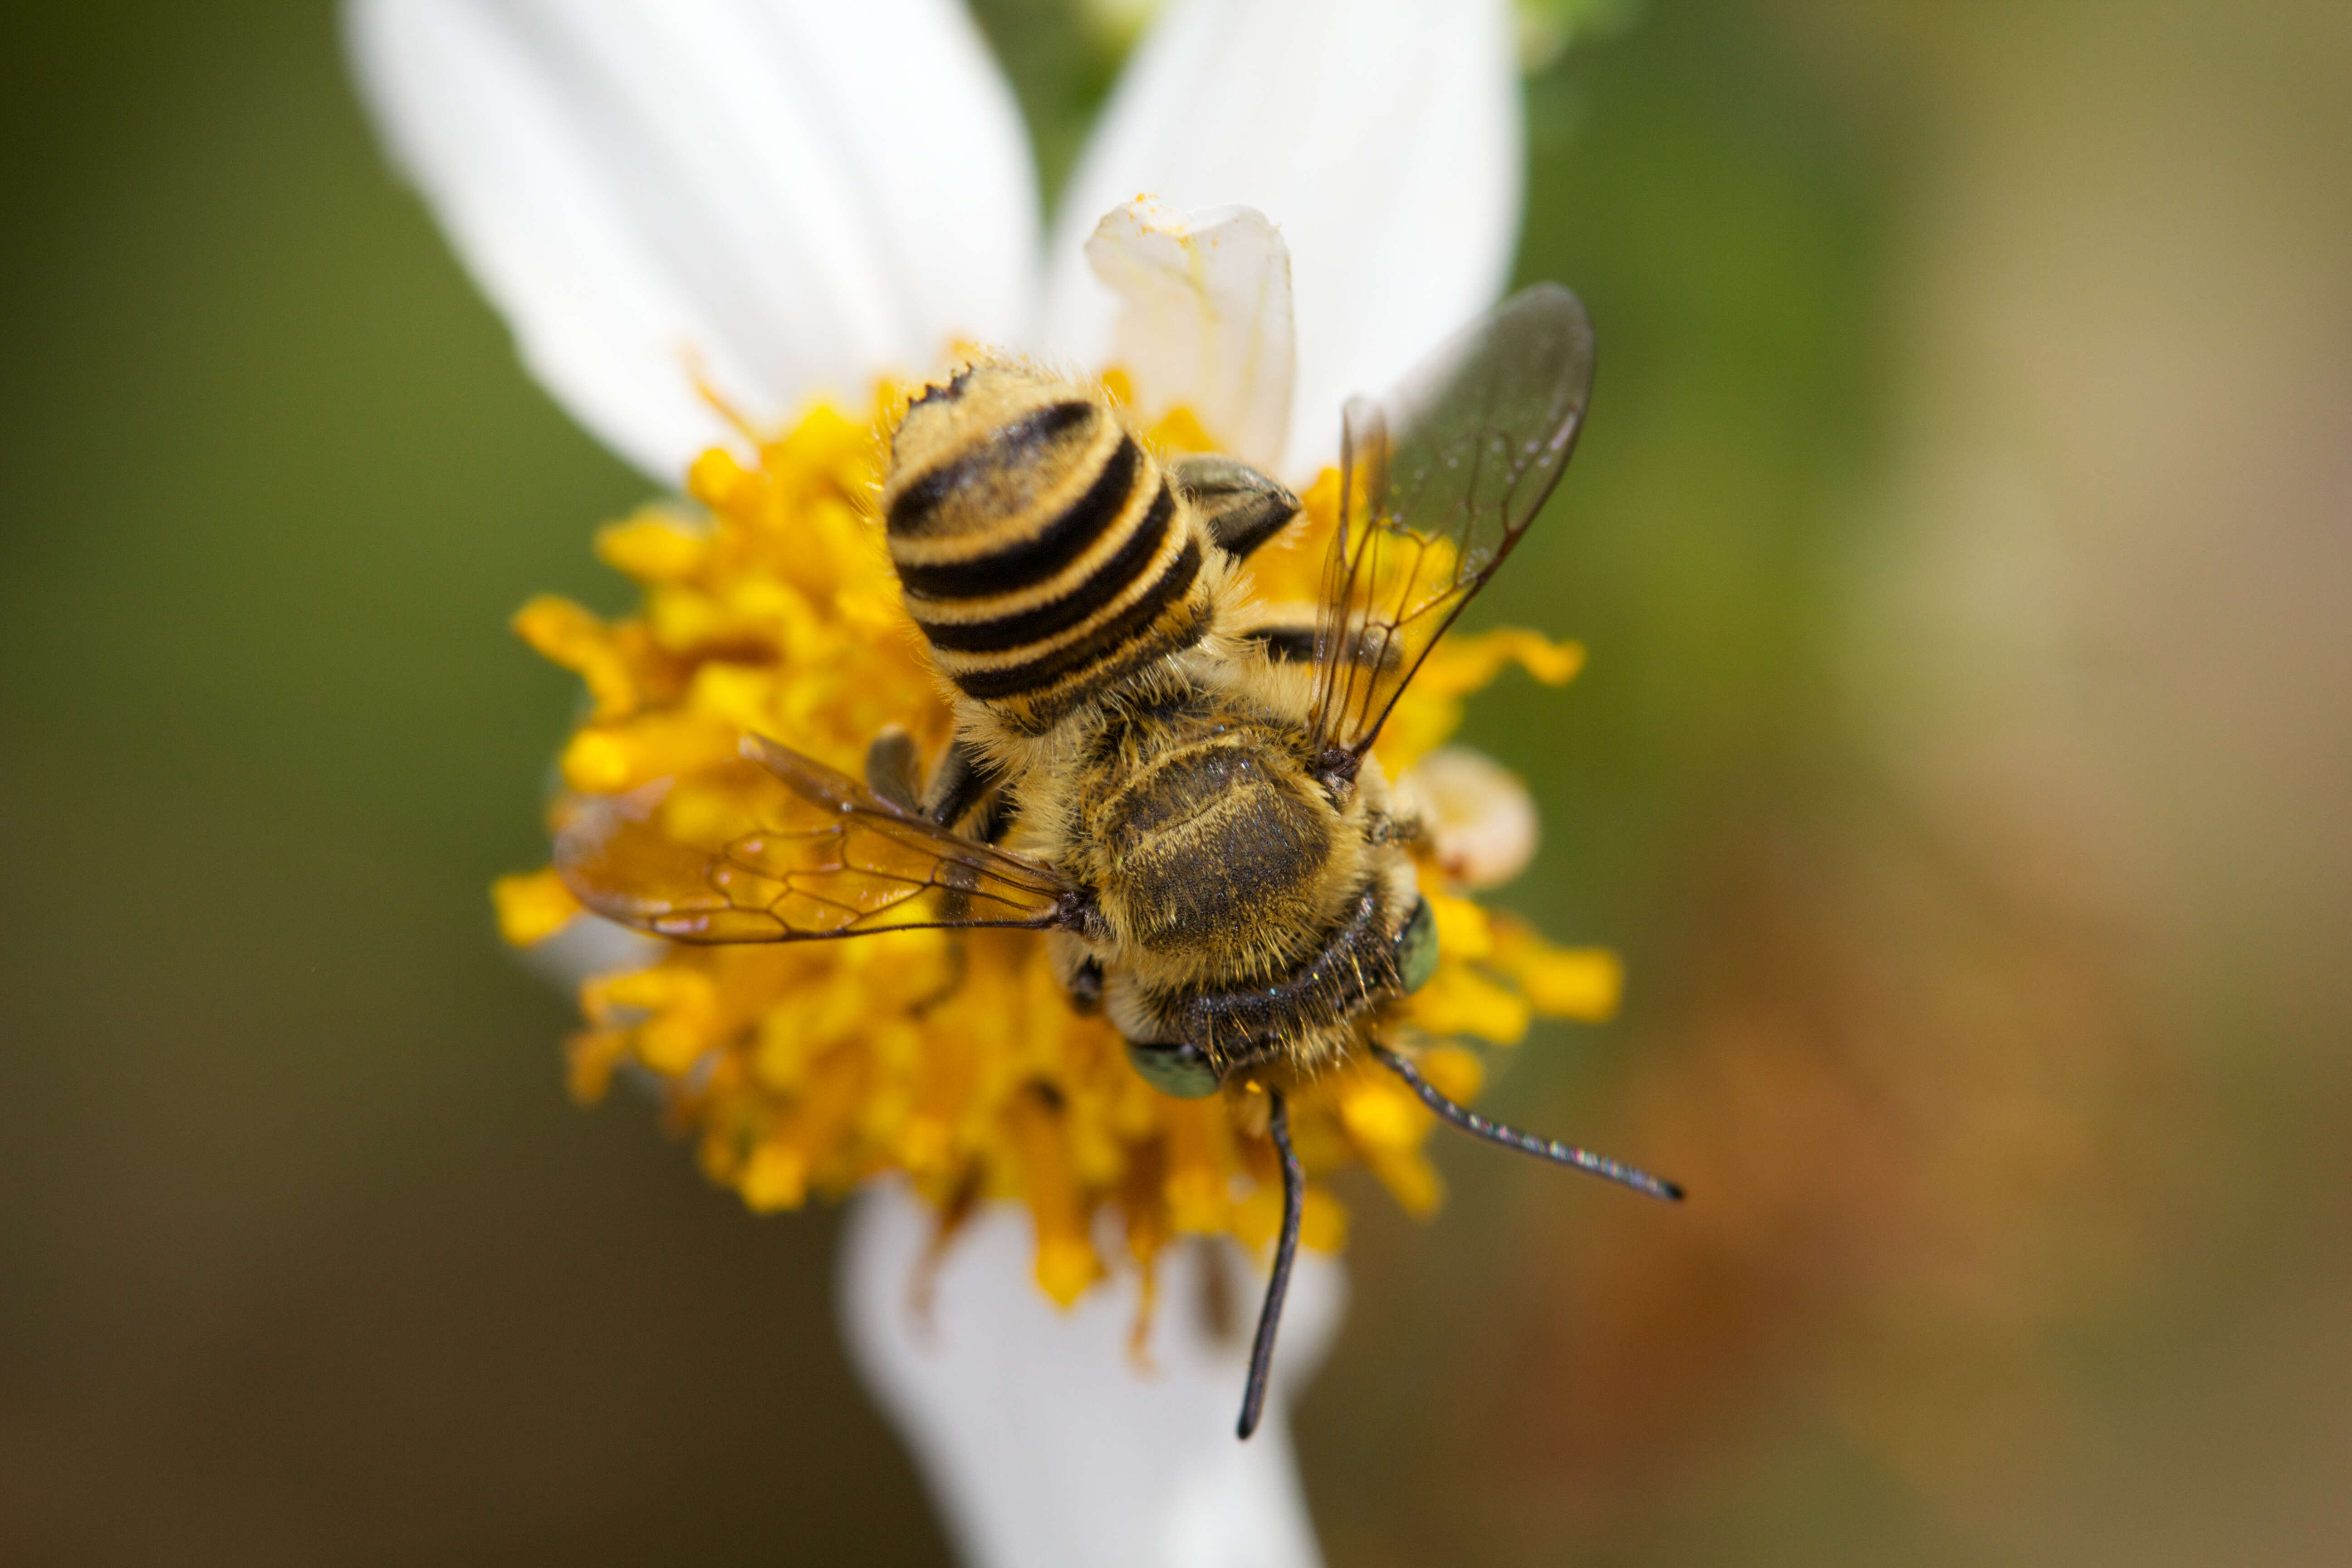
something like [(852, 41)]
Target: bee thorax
[(1299, 1018), (1221, 861)]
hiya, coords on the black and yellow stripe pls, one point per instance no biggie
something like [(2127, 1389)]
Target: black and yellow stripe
[(1041, 548)]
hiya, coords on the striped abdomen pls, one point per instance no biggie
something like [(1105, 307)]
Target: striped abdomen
[(1040, 549)]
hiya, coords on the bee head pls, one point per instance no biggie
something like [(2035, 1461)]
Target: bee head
[(1416, 948), (1175, 1069)]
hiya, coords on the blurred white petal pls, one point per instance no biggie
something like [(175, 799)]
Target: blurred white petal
[(785, 196), (1381, 136), (588, 945), (1480, 819), (1204, 319), (1045, 1445)]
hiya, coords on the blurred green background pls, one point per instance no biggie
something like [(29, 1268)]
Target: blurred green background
[(1962, 537)]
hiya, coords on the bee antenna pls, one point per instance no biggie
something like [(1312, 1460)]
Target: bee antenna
[(1285, 1253), (1472, 1122)]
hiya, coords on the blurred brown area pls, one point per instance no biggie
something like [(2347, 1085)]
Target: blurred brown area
[(304, 1255), (1961, 537)]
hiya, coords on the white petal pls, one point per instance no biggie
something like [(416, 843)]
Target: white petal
[(1478, 813), (1381, 136), (785, 196), (1043, 1444), (588, 945), (1204, 319)]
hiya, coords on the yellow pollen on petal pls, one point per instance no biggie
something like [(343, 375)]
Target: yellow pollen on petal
[(670, 1046), (1179, 431), (654, 547), (564, 634), (1322, 1219), (1456, 666), (1460, 1000), (1322, 1222), (1383, 1117), (1463, 931), (1066, 1263), (1456, 1073), (532, 906), (589, 1058), (1465, 664), (775, 1177), (1411, 1180), (666, 990), (1581, 983), (721, 483), (610, 760)]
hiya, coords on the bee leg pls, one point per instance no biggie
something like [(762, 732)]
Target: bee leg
[(1288, 640), (1285, 1253), (1080, 972), (1285, 643), (890, 767), (1242, 508), (956, 787), (1086, 988), (996, 819)]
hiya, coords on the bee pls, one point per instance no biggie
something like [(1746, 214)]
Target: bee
[(1178, 788)]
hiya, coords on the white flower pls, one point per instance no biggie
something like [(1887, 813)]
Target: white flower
[(758, 202), (1479, 816), (1043, 1441)]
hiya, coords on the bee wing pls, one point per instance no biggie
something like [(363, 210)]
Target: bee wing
[(1437, 483), (778, 847)]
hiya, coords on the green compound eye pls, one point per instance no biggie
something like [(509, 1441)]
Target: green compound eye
[(1416, 948), (1180, 1072)]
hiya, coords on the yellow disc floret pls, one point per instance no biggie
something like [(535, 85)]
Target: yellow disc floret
[(955, 1057)]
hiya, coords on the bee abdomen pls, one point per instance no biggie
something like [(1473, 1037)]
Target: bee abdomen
[(1000, 555), (993, 623), (1042, 550), (1352, 967)]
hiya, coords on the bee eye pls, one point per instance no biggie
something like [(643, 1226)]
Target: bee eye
[(1180, 1072), (1416, 948)]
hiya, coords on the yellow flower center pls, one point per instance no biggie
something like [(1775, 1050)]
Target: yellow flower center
[(954, 1056)]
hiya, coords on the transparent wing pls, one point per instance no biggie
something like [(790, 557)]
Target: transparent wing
[(778, 847), (1438, 482)]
